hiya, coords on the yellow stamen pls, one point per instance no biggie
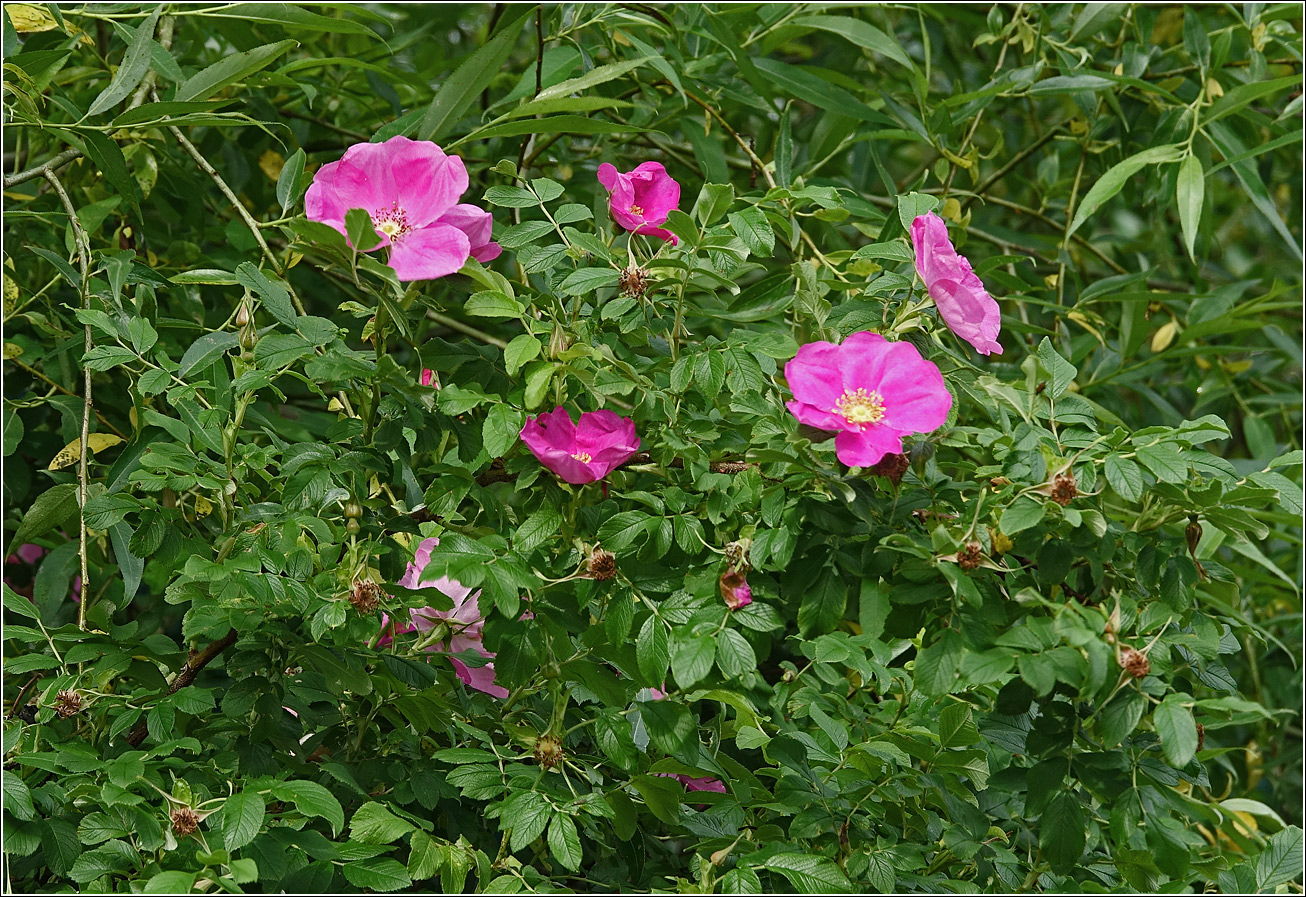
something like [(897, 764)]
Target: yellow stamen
[(861, 406), (636, 210), (583, 457), (388, 228)]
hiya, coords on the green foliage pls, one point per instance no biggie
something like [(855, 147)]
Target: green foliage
[(935, 686)]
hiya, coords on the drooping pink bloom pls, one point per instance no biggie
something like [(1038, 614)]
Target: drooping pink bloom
[(735, 589), (965, 306), (641, 199), (585, 451), (27, 555), (464, 620), (428, 378), (871, 390), (410, 188), (706, 783)]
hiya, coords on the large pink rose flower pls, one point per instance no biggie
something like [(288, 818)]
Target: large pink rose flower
[(966, 307), (641, 199), (583, 452), (871, 390), (464, 620), (410, 188)]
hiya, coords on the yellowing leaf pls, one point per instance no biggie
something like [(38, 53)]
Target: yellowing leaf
[(373, 487), (951, 210), (12, 350), (334, 405), (1082, 320), (270, 163), (203, 507), (71, 453), (27, 18), (1164, 336)]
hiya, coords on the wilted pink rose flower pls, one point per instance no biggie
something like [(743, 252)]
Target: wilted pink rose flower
[(965, 306), (706, 783), (641, 199), (464, 619), (588, 450), (27, 555), (871, 390), (410, 188), (735, 589)]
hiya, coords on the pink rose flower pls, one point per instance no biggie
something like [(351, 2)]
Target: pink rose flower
[(871, 390), (706, 783), (735, 589), (27, 555), (963, 303), (428, 378), (410, 188), (588, 450), (641, 199), (464, 619)]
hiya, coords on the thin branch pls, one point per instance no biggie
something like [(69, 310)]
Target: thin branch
[(66, 391), (68, 155), (185, 677), (84, 261), (40, 171), (468, 329), (236, 204), (502, 475), (18, 701)]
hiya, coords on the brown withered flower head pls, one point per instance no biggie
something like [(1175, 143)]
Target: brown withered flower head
[(185, 821), (1064, 490), (969, 557), (633, 281), (891, 466), (1135, 662), (365, 596), (67, 703), (602, 564), (548, 751)]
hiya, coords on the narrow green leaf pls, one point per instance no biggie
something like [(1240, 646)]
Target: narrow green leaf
[(135, 63), (229, 70), (1114, 180), (462, 87), (1191, 190)]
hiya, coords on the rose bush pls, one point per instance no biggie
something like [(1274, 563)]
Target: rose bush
[(919, 511)]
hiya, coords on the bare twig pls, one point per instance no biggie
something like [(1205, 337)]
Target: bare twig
[(66, 391), (502, 475), (40, 171), (18, 701), (185, 677), (84, 261), (468, 329)]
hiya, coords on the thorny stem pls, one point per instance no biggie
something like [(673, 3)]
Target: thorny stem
[(84, 262), (185, 677)]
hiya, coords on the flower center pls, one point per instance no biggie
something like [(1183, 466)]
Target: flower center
[(391, 223), (861, 406), (636, 210), (583, 457)]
